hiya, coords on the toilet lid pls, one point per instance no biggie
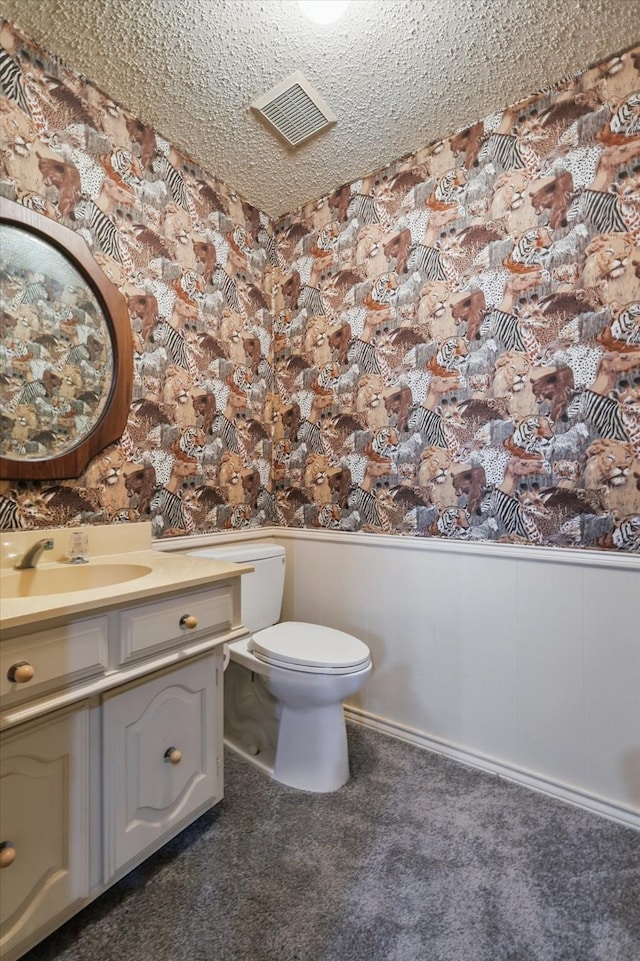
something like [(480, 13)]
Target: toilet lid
[(310, 647)]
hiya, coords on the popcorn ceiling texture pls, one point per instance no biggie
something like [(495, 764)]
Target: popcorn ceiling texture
[(398, 74)]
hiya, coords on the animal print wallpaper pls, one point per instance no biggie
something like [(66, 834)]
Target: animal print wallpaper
[(193, 261), (449, 347), (457, 337)]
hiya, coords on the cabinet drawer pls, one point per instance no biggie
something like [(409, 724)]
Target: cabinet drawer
[(153, 627), (57, 657), (162, 761)]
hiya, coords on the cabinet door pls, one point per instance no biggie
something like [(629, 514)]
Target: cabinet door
[(44, 823), (162, 757)]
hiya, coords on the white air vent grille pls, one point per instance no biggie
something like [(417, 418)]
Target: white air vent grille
[(295, 110)]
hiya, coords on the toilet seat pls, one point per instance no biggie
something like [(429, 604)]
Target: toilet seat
[(297, 646)]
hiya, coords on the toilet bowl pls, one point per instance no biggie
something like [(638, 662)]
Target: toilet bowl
[(286, 682)]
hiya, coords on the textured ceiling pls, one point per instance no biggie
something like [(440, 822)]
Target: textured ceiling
[(398, 73)]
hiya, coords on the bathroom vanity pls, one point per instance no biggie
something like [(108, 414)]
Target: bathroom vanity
[(110, 715)]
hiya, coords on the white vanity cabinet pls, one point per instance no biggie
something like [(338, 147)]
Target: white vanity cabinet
[(112, 741)]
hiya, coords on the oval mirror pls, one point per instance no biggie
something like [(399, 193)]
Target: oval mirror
[(66, 358)]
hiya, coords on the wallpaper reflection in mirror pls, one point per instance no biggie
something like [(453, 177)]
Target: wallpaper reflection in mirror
[(55, 351)]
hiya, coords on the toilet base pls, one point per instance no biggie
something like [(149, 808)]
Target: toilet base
[(312, 750), (303, 748)]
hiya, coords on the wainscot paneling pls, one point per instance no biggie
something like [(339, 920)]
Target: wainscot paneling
[(521, 661)]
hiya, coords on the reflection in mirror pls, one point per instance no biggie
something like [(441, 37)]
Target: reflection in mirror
[(57, 360), (66, 360)]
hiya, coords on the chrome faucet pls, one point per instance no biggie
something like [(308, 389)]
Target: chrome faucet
[(31, 557)]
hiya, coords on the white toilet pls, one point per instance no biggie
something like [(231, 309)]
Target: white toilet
[(285, 683)]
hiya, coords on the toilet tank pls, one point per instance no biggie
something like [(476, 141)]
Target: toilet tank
[(261, 591)]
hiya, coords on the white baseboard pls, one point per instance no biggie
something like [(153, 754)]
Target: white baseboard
[(562, 792)]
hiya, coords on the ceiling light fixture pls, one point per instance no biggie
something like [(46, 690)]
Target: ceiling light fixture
[(323, 11)]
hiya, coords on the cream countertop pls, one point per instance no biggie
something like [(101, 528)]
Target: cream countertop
[(169, 574)]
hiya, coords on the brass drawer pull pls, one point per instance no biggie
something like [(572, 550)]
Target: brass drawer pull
[(189, 620), (21, 672), (7, 854), (173, 755)]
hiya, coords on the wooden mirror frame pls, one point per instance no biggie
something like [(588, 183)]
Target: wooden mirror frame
[(113, 419)]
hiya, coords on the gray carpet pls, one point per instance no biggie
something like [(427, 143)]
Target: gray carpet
[(417, 858)]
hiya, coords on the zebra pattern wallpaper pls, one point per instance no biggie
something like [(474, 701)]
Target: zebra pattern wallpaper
[(449, 347)]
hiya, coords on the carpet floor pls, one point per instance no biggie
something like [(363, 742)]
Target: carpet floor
[(417, 858)]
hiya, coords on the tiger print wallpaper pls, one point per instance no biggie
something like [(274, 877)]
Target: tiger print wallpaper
[(455, 343)]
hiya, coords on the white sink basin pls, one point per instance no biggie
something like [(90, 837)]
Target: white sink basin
[(68, 578)]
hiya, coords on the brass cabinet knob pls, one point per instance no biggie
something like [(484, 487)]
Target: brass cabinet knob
[(188, 620), (21, 672), (173, 755), (7, 854)]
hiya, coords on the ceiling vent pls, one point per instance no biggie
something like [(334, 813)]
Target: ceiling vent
[(295, 110)]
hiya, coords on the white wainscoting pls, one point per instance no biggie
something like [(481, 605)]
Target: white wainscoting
[(523, 661)]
